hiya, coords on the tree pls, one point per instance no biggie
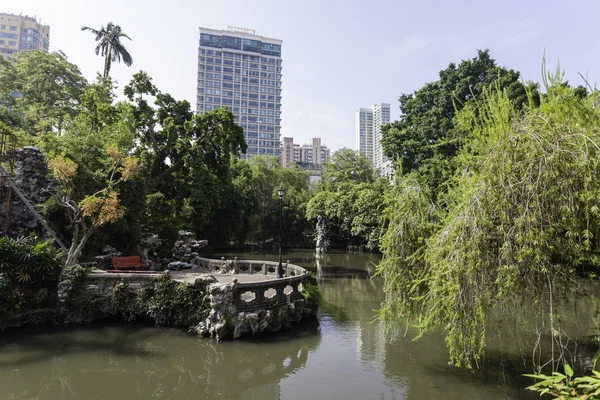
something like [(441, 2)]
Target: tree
[(183, 156), (353, 213), (347, 165), (110, 46), (93, 210), (44, 89), (425, 138), (351, 201), (520, 226), (250, 210)]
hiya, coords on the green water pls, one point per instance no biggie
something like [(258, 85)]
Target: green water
[(343, 355)]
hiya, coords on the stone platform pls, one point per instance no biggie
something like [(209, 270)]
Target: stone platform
[(244, 296)]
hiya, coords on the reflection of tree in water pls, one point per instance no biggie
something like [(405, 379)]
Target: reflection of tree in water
[(418, 366), (421, 365), (126, 362)]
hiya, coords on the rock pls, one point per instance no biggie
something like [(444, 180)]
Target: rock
[(321, 233), (178, 266), (148, 242), (31, 173), (104, 261), (205, 280), (186, 247)]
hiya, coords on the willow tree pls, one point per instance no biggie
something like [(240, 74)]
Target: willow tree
[(520, 226)]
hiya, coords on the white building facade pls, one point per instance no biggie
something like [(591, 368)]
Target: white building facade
[(369, 122), (364, 132), (242, 71)]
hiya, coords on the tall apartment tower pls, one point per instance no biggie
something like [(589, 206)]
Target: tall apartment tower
[(364, 132), (381, 116), (368, 132), (287, 152), (20, 33), (242, 71)]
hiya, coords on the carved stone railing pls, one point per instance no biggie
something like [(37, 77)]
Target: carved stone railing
[(248, 296), (245, 296), (264, 294), (100, 283), (212, 266)]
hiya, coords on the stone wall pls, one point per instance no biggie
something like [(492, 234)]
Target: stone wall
[(31, 175), (204, 306)]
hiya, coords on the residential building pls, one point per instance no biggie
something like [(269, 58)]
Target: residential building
[(369, 122), (287, 152), (381, 116), (364, 132), (311, 153), (20, 33), (242, 71)]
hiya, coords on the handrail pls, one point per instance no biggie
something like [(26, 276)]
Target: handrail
[(32, 208)]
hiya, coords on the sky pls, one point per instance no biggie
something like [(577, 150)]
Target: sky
[(338, 56)]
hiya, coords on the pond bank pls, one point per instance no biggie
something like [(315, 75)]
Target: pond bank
[(217, 298)]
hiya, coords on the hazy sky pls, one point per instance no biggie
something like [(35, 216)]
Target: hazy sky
[(337, 55)]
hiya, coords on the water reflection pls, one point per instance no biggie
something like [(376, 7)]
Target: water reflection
[(140, 362), (344, 356)]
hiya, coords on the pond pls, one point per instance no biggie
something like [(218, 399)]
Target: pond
[(343, 355)]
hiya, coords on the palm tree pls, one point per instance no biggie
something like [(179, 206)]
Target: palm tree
[(110, 46)]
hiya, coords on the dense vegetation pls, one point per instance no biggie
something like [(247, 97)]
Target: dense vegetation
[(496, 193), (29, 272), (148, 163), (509, 221)]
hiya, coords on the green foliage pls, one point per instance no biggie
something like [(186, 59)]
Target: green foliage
[(29, 271), (426, 138), (312, 290), (565, 387), (350, 200), (169, 302), (249, 208), (49, 89), (164, 300), (77, 306), (110, 46), (522, 217), (28, 260), (347, 165)]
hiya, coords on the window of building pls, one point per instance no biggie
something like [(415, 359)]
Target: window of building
[(210, 40), (3, 26), (13, 28), (12, 43), (252, 45), (228, 42)]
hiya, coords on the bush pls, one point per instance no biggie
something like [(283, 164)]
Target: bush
[(564, 387), (30, 260)]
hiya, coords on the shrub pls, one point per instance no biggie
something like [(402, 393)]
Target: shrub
[(28, 259)]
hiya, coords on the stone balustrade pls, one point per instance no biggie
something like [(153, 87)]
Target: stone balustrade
[(248, 296), (244, 296)]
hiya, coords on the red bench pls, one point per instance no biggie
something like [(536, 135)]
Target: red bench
[(127, 262)]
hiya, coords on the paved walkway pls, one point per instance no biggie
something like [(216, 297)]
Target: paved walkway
[(184, 276)]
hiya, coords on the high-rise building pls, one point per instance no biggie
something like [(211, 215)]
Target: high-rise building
[(242, 71), (364, 132), (368, 132), (312, 153), (20, 33), (287, 152)]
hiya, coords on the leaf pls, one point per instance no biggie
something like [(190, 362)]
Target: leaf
[(568, 370)]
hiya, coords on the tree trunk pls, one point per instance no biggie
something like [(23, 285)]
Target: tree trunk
[(107, 61)]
